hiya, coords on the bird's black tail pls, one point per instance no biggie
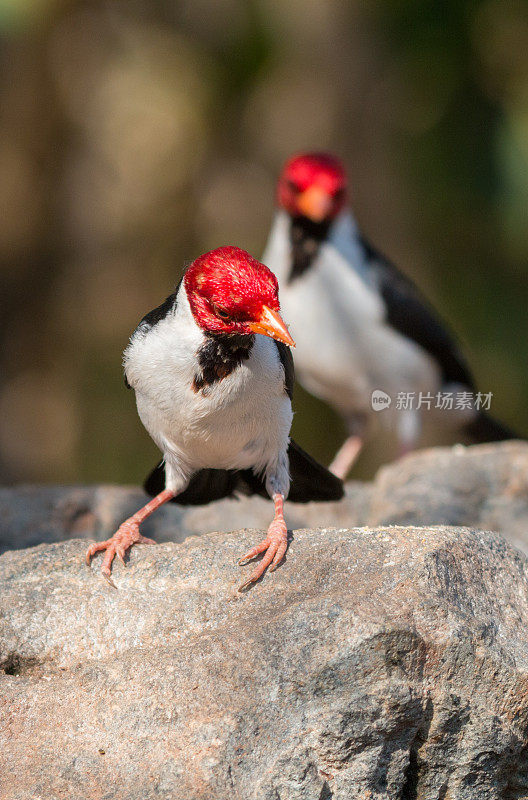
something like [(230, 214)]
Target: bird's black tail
[(486, 429), (310, 481), (208, 485)]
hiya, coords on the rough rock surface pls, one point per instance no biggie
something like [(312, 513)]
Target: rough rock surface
[(384, 664), (31, 515), (485, 487)]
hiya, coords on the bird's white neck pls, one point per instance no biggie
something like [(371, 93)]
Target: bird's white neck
[(183, 307), (342, 235)]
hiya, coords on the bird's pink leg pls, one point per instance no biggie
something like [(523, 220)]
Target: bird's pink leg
[(127, 535), (275, 544), (346, 456)]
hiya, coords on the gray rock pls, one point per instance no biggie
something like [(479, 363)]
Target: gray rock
[(31, 515), (484, 486), (389, 663)]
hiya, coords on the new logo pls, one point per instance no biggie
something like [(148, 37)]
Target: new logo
[(380, 400)]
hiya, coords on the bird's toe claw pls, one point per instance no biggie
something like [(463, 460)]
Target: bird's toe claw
[(108, 578), (145, 540)]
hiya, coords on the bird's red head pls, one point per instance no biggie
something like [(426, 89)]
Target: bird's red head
[(313, 185), (230, 292)]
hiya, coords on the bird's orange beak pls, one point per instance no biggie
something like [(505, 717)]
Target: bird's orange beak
[(315, 203), (271, 324)]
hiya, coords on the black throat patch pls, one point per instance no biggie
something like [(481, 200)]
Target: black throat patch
[(219, 355), (305, 238)]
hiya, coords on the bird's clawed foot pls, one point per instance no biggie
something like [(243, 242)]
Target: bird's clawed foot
[(274, 547), (127, 535)]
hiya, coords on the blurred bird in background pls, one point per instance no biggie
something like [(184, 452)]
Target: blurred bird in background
[(361, 326), (213, 377)]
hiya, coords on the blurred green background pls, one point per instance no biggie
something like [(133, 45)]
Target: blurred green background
[(136, 135)]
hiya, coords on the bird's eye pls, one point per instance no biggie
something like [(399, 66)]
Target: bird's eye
[(292, 186), (222, 313), (339, 195)]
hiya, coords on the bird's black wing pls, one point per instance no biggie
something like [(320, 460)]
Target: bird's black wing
[(162, 311), (286, 358), (310, 481), (410, 314), (155, 316)]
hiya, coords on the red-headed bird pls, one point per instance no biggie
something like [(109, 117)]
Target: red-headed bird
[(359, 324), (213, 377)]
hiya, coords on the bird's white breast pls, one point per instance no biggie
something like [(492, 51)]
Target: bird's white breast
[(240, 421)]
